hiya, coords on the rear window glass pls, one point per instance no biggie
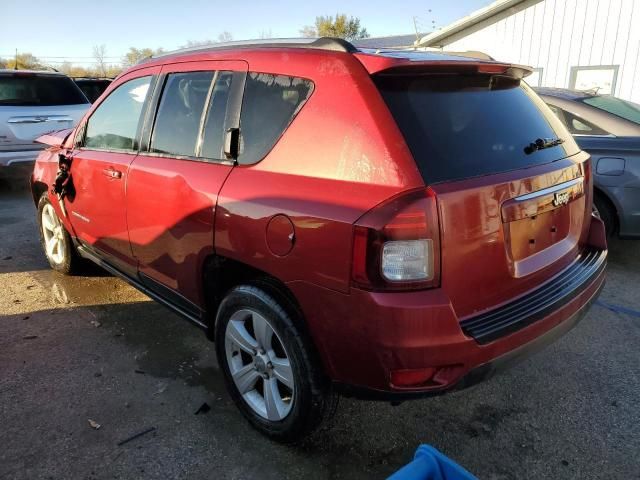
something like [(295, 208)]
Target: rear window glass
[(466, 126), (92, 89), (179, 115), (627, 110), (269, 104), (39, 90)]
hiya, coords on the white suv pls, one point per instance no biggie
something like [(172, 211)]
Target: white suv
[(33, 103)]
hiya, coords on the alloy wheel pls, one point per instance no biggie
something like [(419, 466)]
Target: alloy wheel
[(259, 365), (53, 233)]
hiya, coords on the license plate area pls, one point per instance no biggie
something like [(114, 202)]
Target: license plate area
[(541, 227)]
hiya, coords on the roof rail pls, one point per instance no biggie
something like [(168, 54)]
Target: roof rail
[(322, 43)]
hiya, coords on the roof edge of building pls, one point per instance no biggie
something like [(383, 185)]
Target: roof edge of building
[(475, 21)]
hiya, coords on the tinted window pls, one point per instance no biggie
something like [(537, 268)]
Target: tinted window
[(579, 126), (270, 102), (178, 120), (114, 124), (26, 89), (627, 110), (213, 138), (575, 124), (92, 89), (465, 126)]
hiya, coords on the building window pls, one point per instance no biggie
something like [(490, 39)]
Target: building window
[(535, 79), (601, 78)]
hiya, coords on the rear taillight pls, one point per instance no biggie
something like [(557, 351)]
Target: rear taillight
[(396, 245)]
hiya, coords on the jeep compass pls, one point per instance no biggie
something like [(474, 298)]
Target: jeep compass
[(380, 224)]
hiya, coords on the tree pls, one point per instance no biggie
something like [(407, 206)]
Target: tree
[(197, 43), (26, 61), (134, 55), (225, 37), (340, 27), (308, 31), (99, 53)]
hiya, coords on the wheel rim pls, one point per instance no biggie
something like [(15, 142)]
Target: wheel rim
[(595, 210), (259, 365), (53, 233)]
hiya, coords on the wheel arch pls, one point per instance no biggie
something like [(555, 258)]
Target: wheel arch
[(599, 192), (37, 190), (221, 274)]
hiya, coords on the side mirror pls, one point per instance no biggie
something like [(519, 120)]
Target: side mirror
[(232, 143)]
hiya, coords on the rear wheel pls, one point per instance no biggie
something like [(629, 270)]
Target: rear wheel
[(268, 366), (603, 209), (55, 240)]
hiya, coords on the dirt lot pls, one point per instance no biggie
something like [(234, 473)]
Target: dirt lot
[(74, 349)]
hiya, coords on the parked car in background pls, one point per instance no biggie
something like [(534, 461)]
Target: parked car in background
[(386, 225), (609, 129), (92, 87), (33, 103)]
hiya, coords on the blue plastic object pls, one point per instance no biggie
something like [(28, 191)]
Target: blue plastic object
[(429, 464)]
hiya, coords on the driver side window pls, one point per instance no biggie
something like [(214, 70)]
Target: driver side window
[(114, 124)]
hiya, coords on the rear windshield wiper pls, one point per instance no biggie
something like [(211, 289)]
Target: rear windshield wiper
[(541, 143)]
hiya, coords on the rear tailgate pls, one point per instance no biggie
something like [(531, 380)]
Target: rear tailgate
[(512, 215), (33, 104)]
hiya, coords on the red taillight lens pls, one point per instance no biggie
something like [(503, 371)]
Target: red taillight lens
[(396, 245)]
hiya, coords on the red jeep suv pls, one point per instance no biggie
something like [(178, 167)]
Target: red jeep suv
[(380, 224)]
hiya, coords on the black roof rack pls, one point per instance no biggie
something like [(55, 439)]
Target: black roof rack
[(322, 43)]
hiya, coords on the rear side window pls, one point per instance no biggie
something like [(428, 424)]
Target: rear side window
[(461, 126), (180, 113), (39, 90), (213, 136), (114, 123), (269, 105), (575, 124)]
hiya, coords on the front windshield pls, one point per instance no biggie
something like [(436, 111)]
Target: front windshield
[(621, 108)]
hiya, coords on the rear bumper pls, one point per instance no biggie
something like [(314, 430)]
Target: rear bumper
[(482, 372), (365, 336), (18, 157)]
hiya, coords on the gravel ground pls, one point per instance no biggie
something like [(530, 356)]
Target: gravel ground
[(93, 348)]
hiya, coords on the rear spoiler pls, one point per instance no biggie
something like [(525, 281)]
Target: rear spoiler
[(55, 139), (385, 65)]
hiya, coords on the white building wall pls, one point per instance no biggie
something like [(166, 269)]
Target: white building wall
[(555, 35)]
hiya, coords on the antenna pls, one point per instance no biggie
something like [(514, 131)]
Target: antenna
[(15, 66)]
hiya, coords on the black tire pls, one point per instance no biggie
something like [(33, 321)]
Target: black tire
[(70, 262), (606, 212), (313, 401)]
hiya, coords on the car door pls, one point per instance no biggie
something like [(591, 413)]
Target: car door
[(106, 144), (174, 182)]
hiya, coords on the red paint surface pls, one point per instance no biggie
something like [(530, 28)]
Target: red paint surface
[(341, 157)]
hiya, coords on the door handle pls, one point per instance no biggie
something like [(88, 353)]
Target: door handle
[(112, 172)]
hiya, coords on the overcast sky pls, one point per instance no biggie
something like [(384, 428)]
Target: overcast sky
[(50, 28)]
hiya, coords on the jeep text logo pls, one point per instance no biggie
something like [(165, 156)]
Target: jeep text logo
[(560, 199)]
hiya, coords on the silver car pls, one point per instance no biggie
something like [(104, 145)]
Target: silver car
[(33, 103), (609, 129)]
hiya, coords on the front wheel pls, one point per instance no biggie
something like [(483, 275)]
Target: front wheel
[(55, 240), (268, 367)]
